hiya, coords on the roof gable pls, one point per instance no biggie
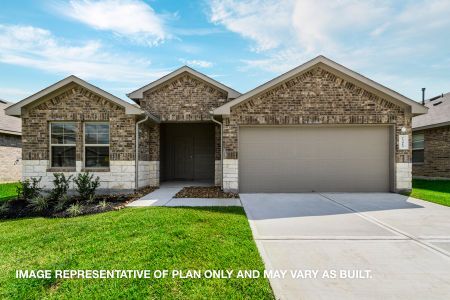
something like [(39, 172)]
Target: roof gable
[(8, 124), (139, 93), (334, 67), (15, 109)]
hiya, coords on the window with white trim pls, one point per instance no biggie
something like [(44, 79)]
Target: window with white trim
[(62, 144), (96, 145), (418, 145)]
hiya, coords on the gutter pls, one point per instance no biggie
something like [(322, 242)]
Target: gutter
[(221, 148), (136, 164)]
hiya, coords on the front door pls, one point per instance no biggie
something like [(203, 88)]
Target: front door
[(184, 157)]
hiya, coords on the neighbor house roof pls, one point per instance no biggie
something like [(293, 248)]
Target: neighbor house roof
[(15, 110), (438, 113), (139, 93), (8, 124), (370, 85)]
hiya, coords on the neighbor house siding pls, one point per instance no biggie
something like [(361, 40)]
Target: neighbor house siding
[(10, 157), (436, 153), (312, 98), (79, 105)]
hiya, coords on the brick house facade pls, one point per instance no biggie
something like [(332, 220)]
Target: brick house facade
[(209, 115)]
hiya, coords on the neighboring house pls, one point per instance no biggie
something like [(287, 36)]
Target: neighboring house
[(10, 146), (318, 127), (431, 140)]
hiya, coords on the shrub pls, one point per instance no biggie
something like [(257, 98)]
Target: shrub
[(62, 203), (4, 208), (61, 186), (38, 204), (75, 210), (103, 204), (29, 189), (86, 186)]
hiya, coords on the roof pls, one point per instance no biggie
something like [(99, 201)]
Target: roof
[(139, 93), (438, 113), (8, 124), (131, 109), (346, 73)]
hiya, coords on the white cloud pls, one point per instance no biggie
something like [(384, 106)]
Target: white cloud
[(38, 48), (375, 37), (197, 63), (133, 19), (12, 94)]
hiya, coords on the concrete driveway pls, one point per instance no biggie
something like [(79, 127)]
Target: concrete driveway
[(399, 247)]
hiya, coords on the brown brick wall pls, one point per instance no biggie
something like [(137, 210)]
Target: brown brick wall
[(314, 97), (76, 104), (437, 153), (217, 142), (184, 98)]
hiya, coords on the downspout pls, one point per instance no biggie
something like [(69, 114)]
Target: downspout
[(136, 164), (221, 148)]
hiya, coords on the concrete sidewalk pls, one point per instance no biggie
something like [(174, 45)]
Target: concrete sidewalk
[(167, 190)]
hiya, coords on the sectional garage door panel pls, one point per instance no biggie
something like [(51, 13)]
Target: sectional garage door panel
[(314, 158)]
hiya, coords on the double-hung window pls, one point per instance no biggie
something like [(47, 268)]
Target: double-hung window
[(96, 145), (62, 144), (418, 145)]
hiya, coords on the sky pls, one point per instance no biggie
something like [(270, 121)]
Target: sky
[(121, 45)]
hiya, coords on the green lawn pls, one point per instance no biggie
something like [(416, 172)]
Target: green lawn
[(133, 238), (8, 190), (437, 191)]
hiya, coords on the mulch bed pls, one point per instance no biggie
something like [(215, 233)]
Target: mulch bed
[(204, 192), (18, 208)]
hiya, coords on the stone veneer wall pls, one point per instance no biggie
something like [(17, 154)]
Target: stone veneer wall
[(148, 168), (315, 97), (10, 157), (79, 105), (437, 154)]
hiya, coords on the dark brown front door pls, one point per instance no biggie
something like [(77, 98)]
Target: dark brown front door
[(187, 151), (183, 157)]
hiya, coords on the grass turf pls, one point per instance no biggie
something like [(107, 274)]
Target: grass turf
[(133, 238), (8, 190), (437, 191)]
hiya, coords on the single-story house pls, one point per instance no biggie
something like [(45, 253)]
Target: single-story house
[(319, 127), (10, 146), (431, 140)]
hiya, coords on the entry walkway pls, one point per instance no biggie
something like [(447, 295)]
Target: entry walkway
[(164, 196)]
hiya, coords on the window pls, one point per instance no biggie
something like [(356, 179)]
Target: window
[(418, 145), (96, 144), (62, 144)]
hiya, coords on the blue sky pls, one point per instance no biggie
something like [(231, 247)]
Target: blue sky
[(121, 45)]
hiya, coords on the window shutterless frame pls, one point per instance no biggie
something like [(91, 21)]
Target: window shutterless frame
[(418, 148), (63, 144), (87, 145)]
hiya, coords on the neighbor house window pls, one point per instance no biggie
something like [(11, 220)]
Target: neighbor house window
[(96, 145), (62, 144), (418, 148)]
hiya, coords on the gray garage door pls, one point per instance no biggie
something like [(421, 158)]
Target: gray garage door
[(314, 158)]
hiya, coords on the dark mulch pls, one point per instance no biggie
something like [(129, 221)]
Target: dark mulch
[(204, 192), (18, 208)]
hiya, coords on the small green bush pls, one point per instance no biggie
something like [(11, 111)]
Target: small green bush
[(4, 208), (62, 203), (29, 189), (61, 185), (86, 186), (103, 204), (75, 210), (38, 204)]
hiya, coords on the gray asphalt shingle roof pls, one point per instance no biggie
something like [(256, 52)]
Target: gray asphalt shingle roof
[(9, 124), (438, 113)]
